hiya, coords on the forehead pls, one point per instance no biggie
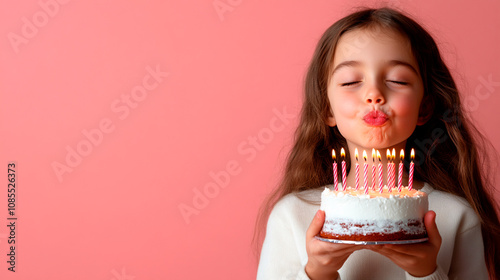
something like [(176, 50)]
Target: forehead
[(373, 45)]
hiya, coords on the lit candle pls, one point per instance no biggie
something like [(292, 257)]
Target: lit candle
[(357, 169), (380, 173), (412, 166), (400, 177), (342, 154), (389, 169), (393, 166), (373, 169), (335, 177), (365, 172)]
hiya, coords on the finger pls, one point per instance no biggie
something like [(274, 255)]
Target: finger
[(392, 254), (316, 225), (416, 250), (432, 230), (374, 248), (342, 249)]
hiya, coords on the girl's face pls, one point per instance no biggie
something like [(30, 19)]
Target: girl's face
[(375, 89)]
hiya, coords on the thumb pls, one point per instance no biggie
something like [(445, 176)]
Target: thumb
[(316, 224), (431, 227)]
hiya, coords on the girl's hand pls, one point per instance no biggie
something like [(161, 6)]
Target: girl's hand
[(324, 258), (417, 259)]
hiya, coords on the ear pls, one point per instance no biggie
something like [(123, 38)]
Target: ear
[(330, 121), (425, 112)]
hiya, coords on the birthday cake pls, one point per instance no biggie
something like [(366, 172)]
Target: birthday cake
[(390, 215)]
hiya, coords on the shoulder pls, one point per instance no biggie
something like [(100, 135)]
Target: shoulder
[(297, 207), (298, 200), (451, 208)]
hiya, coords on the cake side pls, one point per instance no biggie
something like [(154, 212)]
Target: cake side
[(354, 215)]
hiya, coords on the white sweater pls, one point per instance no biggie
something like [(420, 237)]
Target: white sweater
[(284, 253)]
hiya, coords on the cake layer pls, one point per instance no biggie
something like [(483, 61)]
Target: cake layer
[(379, 228), (374, 236)]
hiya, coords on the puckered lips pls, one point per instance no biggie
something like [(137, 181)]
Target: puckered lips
[(375, 118)]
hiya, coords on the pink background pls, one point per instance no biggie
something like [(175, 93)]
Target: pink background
[(232, 75)]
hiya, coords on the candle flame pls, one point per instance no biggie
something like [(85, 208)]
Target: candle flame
[(389, 157), (365, 156), (393, 154), (412, 156), (342, 153), (356, 153), (373, 155), (402, 155), (379, 156), (333, 155)]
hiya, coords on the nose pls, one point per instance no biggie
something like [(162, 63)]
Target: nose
[(375, 96)]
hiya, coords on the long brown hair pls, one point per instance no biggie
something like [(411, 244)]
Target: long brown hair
[(450, 162)]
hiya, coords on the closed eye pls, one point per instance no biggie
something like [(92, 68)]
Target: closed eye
[(349, 84), (399, 82)]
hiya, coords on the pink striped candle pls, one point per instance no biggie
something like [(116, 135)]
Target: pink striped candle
[(380, 173), (365, 172), (389, 170), (373, 169), (412, 166), (335, 175), (389, 174), (342, 154), (400, 177), (357, 169), (393, 166)]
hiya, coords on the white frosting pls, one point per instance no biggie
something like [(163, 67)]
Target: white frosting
[(388, 213), (340, 205)]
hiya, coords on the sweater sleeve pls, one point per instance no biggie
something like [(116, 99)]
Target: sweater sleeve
[(279, 258), (461, 255), (468, 257), (437, 275)]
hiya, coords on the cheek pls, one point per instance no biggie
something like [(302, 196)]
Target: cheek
[(345, 107), (407, 107)]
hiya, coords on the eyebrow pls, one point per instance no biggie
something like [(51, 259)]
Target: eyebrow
[(348, 63), (353, 63)]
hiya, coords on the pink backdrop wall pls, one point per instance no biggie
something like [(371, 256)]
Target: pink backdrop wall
[(118, 113)]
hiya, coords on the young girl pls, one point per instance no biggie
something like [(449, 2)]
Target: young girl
[(377, 80)]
